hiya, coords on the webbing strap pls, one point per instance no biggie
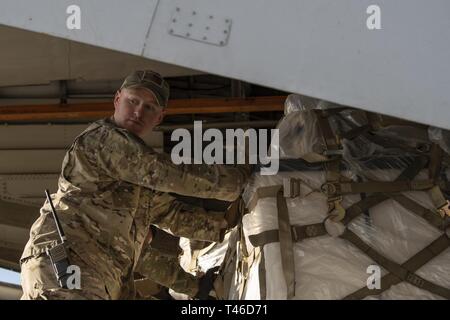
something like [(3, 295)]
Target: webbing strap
[(341, 188), (333, 170), (429, 215), (333, 175), (355, 132), (378, 121), (299, 233), (401, 272), (412, 264), (358, 208), (226, 272), (262, 276), (440, 202), (434, 166), (286, 244), (386, 143), (398, 273), (318, 229), (263, 192), (244, 262), (330, 140)]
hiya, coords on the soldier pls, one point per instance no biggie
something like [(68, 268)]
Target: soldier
[(112, 187)]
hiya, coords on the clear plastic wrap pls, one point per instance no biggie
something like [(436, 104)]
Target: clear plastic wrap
[(296, 102), (441, 137), (328, 267), (293, 103), (300, 124)]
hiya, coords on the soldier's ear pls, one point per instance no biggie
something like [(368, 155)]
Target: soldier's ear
[(161, 117), (116, 99)]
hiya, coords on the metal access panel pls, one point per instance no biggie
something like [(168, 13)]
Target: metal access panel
[(200, 26), (321, 48)]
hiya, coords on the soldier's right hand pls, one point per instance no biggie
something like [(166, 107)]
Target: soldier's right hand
[(206, 284)]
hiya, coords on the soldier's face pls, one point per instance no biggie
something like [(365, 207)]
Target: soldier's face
[(137, 110)]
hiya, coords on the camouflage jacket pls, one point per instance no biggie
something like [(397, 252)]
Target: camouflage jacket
[(112, 187)]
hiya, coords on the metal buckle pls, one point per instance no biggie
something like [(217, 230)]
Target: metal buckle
[(423, 147), (294, 234), (329, 153), (311, 231), (328, 189), (444, 209), (291, 187), (421, 184), (334, 205), (414, 279)]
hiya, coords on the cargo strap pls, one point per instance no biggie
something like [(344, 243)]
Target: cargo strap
[(333, 149), (318, 229), (441, 204), (223, 281), (331, 141), (333, 176), (390, 144), (263, 192), (398, 273), (262, 276), (286, 244), (284, 233), (376, 122), (337, 189), (243, 263), (298, 233)]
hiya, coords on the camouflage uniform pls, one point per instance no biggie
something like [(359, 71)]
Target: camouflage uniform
[(111, 188), (165, 270)]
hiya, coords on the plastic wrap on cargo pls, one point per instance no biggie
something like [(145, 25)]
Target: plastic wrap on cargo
[(300, 124), (297, 102), (441, 137), (329, 267), (293, 103)]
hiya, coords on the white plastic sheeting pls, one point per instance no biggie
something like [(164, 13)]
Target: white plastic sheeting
[(331, 268)]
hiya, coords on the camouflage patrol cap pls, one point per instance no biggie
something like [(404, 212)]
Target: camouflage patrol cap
[(149, 80)]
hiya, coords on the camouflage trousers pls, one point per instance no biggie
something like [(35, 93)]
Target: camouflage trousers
[(166, 270), (39, 281), (103, 277)]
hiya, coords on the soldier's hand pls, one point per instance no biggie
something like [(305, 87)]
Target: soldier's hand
[(206, 284)]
